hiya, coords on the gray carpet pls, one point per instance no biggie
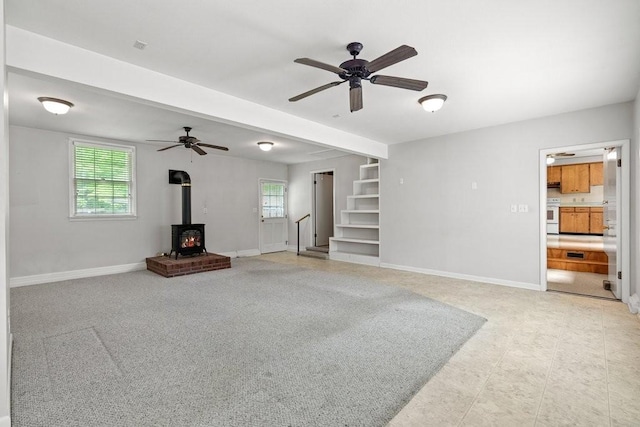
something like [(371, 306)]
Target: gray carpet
[(260, 344)]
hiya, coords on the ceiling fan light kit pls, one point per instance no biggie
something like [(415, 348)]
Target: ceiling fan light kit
[(355, 70), (265, 145), (55, 105), (432, 103)]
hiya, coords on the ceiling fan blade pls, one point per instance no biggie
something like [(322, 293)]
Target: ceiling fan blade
[(313, 63), (396, 55), (400, 82), (198, 150), (355, 98), (217, 147), (171, 146), (316, 90), (159, 140)]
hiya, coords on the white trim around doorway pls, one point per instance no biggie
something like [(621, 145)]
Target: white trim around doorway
[(624, 250), (312, 225)]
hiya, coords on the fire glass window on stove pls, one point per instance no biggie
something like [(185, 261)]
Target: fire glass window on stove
[(102, 180), (190, 239)]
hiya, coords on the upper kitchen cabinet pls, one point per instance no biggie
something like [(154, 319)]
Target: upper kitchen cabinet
[(575, 179), (554, 175), (595, 173)]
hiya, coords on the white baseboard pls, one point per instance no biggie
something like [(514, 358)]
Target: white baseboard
[(5, 421), (37, 279), (355, 258), (241, 254), (490, 280), (248, 252)]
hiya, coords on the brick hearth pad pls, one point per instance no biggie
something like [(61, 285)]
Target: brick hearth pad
[(171, 267)]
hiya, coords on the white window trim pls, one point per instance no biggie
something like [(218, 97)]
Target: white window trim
[(93, 217)]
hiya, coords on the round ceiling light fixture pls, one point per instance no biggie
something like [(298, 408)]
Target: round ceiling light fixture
[(265, 145), (55, 105), (432, 103)]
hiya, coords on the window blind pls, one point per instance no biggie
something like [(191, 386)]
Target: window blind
[(103, 180)]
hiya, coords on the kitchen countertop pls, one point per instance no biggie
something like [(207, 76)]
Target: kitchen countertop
[(581, 205)]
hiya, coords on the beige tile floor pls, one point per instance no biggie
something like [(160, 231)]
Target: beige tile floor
[(577, 282), (542, 358)]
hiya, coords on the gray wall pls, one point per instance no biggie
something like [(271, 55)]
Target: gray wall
[(436, 221), (347, 169), (44, 240)]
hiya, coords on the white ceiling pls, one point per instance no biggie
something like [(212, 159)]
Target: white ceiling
[(498, 61)]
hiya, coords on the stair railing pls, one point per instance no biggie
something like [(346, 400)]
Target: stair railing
[(298, 224)]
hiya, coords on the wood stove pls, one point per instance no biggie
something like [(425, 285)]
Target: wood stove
[(186, 238)]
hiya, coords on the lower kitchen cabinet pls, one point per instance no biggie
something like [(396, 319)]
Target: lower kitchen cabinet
[(574, 220), (596, 221), (581, 220)]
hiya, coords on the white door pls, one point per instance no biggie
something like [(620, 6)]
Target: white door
[(323, 208), (611, 213), (273, 216)]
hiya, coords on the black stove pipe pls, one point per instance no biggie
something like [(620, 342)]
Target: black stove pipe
[(183, 178)]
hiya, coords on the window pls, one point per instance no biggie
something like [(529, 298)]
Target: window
[(102, 180), (273, 199)]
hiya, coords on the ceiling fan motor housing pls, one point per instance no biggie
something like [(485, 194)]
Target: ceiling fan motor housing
[(356, 71)]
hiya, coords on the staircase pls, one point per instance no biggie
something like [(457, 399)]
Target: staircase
[(357, 236), (320, 252)]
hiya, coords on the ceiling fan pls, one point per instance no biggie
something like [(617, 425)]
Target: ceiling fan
[(189, 142), (562, 154), (355, 70), (551, 158)]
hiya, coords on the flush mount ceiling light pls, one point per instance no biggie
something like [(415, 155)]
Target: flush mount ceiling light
[(550, 160), (55, 105), (265, 145), (432, 103)]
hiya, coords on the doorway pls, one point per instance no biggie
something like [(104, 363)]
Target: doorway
[(588, 254), (273, 216), (322, 209)]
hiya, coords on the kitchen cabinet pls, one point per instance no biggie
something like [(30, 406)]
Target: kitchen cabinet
[(554, 174), (581, 220), (595, 174), (575, 179), (595, 221), (575, 220)]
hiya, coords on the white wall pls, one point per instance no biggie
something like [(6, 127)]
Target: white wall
[(436, 221), (635, 198), (5, 337), (347, 169), (44, 240)]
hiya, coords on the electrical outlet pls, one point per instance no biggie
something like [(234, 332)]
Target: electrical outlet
[(204, 210), (514, 208), (523, 208)]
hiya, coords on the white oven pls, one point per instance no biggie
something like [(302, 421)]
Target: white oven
[(553, 215)]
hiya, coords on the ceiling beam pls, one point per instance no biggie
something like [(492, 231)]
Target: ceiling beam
[(42, 55)]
